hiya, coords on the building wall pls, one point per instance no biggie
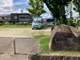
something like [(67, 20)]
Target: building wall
[(21, 17), (24, 18), (17, 17), (5, 18), (14, 17)]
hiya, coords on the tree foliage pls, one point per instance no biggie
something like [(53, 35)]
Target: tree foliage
[(37, 7), (57, 8), (77, 6)]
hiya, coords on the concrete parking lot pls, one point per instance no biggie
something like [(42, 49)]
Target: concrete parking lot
[(22, 32)]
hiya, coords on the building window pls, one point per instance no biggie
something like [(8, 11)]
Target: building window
[(15, 17), (8, 18), (27, 17), (3, 18), (0, 18), (22, 17)]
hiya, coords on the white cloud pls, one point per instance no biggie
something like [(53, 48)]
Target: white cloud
[(6, 6), (6, 3), (19, 11)]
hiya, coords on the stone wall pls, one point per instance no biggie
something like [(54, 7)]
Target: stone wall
[(39, 57)]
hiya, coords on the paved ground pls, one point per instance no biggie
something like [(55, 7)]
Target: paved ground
[(18, 48), (6, 45), (26, 46), (13, 57), (22, 32), (23, 46)]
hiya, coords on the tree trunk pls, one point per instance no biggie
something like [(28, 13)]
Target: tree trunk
[(71, 11), (62, 15)]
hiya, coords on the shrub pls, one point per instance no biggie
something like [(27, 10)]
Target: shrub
[(70, 22), (56, 23)]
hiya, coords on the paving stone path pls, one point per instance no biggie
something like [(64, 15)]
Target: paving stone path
[(18, 48)]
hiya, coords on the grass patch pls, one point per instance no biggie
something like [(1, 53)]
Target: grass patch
[(79, 28), (44, 47), (15, 26), (44, 42), (66, 53)]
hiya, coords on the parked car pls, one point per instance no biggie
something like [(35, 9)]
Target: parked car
[(37, 22)]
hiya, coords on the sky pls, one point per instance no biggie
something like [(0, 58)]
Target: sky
[(15, 6)]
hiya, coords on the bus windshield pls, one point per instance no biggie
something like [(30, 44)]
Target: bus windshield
[(37, 21)]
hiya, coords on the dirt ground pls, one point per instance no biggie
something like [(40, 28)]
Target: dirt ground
[(22, 32)]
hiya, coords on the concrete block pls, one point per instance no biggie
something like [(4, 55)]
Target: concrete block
[(26, 46), (13, 57), (20, 57), (6, 45)]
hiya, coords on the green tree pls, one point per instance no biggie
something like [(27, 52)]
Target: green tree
[(77, 6), (57, 8), (37, 7)]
